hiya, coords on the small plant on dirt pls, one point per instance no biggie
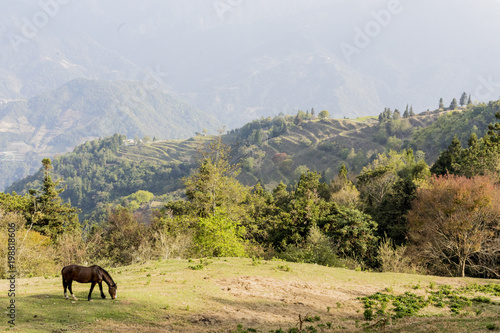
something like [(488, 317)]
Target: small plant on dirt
[(255, 261), (240, 329), (201, 265), (284, 268), (409, 304), (491, 327), (196, 267)]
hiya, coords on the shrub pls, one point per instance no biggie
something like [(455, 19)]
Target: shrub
[(392, 258)]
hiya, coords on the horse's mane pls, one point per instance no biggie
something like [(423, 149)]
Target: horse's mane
[(105, 271)]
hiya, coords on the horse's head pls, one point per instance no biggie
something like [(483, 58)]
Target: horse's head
[(112, 290)]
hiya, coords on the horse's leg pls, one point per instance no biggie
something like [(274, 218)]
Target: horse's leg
[(65, 285), (91, 289), (70, 282), (102, 293)]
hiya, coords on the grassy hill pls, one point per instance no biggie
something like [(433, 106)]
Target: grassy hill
[(244, 295)]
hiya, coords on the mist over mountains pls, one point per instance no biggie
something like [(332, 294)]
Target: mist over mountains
[(240, 60), (236, 60)]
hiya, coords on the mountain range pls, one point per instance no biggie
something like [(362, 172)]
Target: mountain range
[(226, 63)]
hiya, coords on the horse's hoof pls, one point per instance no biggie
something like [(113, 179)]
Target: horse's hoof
[(91, 300)]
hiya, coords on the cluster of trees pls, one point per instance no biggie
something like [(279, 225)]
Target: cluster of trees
[(260, 130), (396, 115), (95, 174), (396, 214), (464, 100), (435, 138)]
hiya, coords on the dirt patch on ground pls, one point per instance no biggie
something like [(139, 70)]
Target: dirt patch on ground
[(273, 303)]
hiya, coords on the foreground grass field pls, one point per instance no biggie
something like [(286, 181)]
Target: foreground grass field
[(241, 295)]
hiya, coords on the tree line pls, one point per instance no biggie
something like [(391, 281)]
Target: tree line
[(397, 214)]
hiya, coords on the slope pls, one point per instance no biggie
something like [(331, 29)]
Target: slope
[(81, 110)]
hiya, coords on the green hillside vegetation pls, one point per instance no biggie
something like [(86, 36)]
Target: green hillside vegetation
[(191, 199), (461, 123), (83, 110), (245, 295), (268, 150)]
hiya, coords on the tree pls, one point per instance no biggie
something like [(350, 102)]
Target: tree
[(214, 183), (324, 114), (449, 159), (123, 237), (469, 101), (51, 216), (441, 103), (219, 236), (396, 115), (463, 99), (353, 233), (406, 114), (455, 225), (412, 114), (453, 104)]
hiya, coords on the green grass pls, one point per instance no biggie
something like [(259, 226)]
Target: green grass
[(237, 295)]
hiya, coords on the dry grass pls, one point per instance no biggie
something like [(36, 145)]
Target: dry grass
[(169, 296)]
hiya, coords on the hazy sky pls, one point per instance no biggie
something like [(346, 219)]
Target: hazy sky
[(348, 56)]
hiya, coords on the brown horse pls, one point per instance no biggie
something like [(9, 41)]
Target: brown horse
[(93, 274)]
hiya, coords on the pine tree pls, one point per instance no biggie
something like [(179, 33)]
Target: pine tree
[(412, 114), (406, 114), (396, 115), (453, 104), (441, 103), (469, 101), (52, 217), (449, 159), (463, 99)]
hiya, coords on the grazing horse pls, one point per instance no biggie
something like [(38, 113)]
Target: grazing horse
[(93, 274)]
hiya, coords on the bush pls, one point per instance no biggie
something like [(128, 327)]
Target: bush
[(219, 236), (392, 258), (317, 249), (35, 255)]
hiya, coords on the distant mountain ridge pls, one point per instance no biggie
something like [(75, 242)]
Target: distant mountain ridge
[(83, 110)]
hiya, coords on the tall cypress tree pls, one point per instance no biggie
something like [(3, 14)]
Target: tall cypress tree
[(463, 99)]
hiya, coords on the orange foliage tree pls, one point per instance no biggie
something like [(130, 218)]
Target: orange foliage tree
[(454, 225)]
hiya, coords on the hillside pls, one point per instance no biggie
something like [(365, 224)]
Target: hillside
[(81, 110), (271, 150), (243, 60), (244, 295)]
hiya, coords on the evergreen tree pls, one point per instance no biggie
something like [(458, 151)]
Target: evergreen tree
[(448, 160), (51, 216), (469, 101), (396, 115), (463, 99), (453, 104), (406, 114), (441, 104), (412, 114)]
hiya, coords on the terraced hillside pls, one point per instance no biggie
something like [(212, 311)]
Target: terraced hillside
[(268, 150)]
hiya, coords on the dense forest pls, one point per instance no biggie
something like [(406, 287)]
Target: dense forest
[(394, 207)]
